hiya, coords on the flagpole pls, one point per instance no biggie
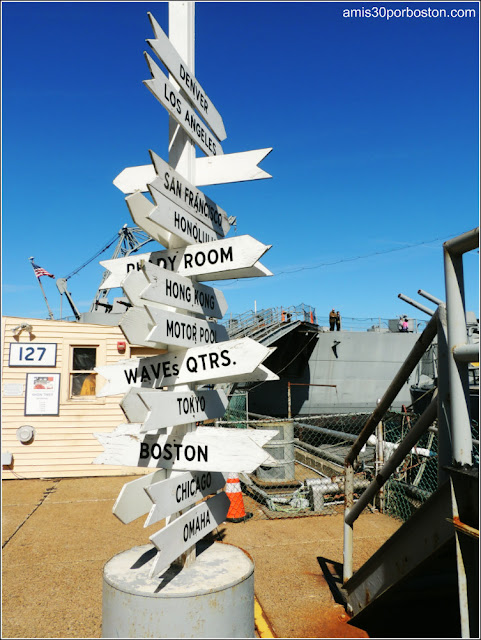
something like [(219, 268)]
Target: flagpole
[(45, 297)]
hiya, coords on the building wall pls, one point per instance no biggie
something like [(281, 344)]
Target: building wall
[(63, 445)]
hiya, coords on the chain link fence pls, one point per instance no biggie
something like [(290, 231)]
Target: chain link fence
[(308, 478)]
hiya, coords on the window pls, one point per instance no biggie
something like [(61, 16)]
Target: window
[(83, 378)]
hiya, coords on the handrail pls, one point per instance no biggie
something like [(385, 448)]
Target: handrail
[(260, 323), (450, 403), (395, 387), (421, 426)]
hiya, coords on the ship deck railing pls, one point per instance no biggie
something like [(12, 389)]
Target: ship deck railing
[(260, 324)]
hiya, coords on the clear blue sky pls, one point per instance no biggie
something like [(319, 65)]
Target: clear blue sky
[(373, 124)]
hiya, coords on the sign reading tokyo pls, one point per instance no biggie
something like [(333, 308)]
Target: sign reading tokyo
[(181, 72), (181, 110), (157, 409), (210, 261)]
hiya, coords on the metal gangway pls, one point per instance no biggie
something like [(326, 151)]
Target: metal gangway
[(268, 325), (445, 529)]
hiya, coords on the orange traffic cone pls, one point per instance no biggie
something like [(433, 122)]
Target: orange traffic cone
[(236, 511)]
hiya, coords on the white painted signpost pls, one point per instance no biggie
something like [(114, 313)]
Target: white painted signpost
[(161, 409), (220, 260), (169, 182), (166, 217), (204, 449), (171, 311), (186, 530), (230, 167), (180, 491), (153, 285), (184, 76), (181, 110), (236, 360)]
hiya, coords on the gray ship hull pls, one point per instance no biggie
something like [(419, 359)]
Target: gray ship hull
[(332, 372)]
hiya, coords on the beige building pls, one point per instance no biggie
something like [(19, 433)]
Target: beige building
[(50, 411)]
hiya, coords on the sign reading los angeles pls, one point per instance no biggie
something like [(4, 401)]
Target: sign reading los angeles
[(171, 311)]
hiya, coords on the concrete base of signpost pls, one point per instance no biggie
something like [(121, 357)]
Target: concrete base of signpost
[(213, 598)]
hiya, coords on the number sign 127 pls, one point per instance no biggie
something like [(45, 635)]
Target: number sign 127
[(24, 354)]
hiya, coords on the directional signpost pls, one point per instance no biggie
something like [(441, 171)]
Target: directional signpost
[(186, 79), (181, 110), (172, 312), (166, 222), (205, 449), (230, 167), (155, 285), (222, 260), (158, 410), (236, 361)]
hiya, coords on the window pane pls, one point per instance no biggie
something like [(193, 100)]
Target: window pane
[(84, 358), (83, 384)]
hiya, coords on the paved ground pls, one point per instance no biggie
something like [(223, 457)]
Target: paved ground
[(58, 534)]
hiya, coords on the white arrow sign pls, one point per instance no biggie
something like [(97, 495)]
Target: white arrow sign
[(180, 330), (136, 325), (205, 449), (232, 361), (156, 285), (133, 501), (230, 167), (185, 531), (157, 409), (166, 222), (220, 260), (182, 74), (183, 193), (181, 110), (180, 491)]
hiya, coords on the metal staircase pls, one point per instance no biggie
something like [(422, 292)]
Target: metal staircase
[(424, 581)]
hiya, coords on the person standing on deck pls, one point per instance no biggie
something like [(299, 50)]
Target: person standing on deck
[(332, 319), (338, 321)]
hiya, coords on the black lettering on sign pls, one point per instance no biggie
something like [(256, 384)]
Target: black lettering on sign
[(182, 452), (192, 404), (195, 525), (152, 373)]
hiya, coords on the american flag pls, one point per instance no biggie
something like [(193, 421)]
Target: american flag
[(41, 272)]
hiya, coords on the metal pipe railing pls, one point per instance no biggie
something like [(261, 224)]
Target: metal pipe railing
[(458, 339), (398, 455), (394, 388), (466, 352)]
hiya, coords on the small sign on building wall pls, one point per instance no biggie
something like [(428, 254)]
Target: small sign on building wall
[(26, 354), (42, 394)]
